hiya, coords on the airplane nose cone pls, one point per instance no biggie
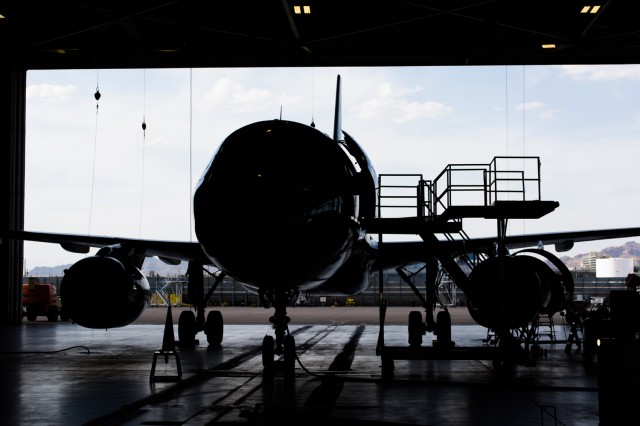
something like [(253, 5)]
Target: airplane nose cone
[(276, 192)]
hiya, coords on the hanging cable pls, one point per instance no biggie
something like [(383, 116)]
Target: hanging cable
[(506, 111), (524, 111), (144, 138), (190, 153), (524, 114), (313, 96), (97, 97), (506, 103)]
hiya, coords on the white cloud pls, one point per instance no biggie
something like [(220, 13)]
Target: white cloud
[(235, 96), (540, 108), (579, 153), (51, 92), (530, 106), (547, 115), (602, 72), (392, 104)]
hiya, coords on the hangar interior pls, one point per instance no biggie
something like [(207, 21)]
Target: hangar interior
[(41, 35), (72, 34)]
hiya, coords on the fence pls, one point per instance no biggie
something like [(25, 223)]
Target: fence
[(397, 293)]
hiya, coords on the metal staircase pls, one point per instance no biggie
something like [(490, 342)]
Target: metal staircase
[(168, 292), (492, 191), (498, 190)]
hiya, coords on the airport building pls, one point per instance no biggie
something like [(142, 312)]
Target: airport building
[(613, 267)]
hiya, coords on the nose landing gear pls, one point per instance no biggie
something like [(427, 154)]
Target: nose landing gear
[(283, 345)]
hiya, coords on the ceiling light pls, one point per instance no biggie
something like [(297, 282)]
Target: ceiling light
[(549, 46), (299, 10), (590, 9)]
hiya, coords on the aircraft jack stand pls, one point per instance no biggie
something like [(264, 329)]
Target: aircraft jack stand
[(168, 349)]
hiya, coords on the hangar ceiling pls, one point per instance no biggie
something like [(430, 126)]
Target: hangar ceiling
[(65, 34)]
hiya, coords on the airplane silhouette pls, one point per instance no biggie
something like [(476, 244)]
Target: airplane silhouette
[(284, 208)]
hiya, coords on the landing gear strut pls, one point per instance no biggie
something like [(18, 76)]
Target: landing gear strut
[(284, 344), (189, 324)]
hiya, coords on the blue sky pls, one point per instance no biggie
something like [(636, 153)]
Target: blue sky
[(582, 121)]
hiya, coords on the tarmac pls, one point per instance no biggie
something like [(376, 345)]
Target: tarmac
[(395, 315), (58, 373)]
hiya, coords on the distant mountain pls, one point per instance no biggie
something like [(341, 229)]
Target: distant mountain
[(627, 250), (48, 271), (151, 264), (158, 267)]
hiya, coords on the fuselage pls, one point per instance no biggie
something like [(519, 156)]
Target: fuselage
[(280, 204)]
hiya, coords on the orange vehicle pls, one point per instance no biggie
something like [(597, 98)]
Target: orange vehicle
[(40, 300)]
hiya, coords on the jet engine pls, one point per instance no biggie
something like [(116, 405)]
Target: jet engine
[(507, 292), (104, 291)]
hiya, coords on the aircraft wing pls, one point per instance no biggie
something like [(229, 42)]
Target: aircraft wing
[(563, 241), (395, 254), (392, 254), (169, 251)]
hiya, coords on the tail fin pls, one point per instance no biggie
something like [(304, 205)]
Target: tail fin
[(337, 120)]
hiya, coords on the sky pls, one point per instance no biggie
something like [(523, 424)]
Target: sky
[(91, 169)]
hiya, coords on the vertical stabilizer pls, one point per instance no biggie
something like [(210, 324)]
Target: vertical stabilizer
[(337, 120)]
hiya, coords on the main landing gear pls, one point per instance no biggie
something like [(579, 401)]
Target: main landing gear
[(188, 328), (190, 323), (213, 327), (284, 345)]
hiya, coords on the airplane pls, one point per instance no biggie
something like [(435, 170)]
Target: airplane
[(284, 208)]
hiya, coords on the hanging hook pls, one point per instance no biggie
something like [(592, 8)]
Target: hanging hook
[(97, 95)]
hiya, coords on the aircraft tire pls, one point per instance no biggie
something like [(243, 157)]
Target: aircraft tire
[(443, 325), (214, 328), (268, 353), (289, 353), (31, 313), (52, 313), (388, 367), (416, 329), (187, 328)]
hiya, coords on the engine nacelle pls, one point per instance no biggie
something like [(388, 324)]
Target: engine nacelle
[(507, 292), (104, 292)]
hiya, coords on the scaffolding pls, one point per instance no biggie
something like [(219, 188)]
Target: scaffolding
[(168, 292)]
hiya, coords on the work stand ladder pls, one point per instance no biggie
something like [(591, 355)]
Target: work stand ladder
[(506, 188)]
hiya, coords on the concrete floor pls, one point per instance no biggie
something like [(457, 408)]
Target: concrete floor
[(62, 374)]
